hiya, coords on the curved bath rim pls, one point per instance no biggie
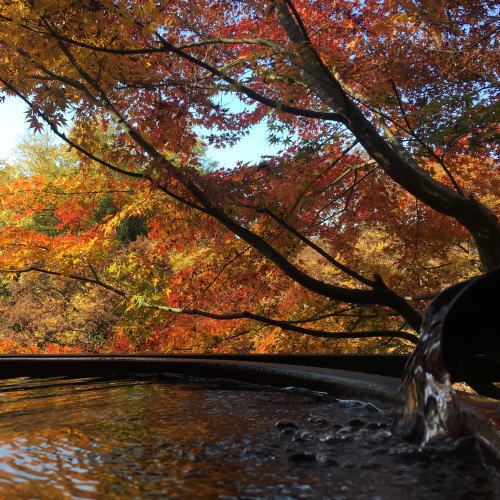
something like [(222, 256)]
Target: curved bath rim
[(277, 374), (481, 415)]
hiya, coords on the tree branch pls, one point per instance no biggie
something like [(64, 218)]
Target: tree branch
[(193, 183), (285, 325), (93, 281), (393, 158), (350, 272), (166, 46), (422, 142), (250, 93), (382, 295)]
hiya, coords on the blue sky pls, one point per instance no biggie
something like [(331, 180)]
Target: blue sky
[(250, 148), (13, 127)]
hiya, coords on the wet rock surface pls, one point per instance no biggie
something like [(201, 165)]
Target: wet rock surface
[(360, 458)]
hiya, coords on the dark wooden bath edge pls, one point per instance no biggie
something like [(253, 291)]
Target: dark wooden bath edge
[(368, 376), (48, 365)]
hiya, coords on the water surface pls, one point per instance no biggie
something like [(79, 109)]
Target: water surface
[(175, 438)]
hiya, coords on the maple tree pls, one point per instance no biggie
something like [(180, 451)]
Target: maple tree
[(384, 191)]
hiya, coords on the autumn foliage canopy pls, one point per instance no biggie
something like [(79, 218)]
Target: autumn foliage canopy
[(122, 235)]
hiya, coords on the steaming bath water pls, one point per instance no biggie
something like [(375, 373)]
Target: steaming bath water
[(174, 438)]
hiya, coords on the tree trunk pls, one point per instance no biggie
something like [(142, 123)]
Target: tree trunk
[(394, 159)]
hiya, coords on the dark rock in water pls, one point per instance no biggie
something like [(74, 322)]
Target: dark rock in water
[(356, 423), (302, 457), (327, 460), (376, 425), (318, 420), (285, 424)]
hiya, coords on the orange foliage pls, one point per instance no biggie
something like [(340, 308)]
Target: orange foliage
[(385, 189)]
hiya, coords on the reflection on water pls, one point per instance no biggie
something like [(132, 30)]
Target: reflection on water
[(87, 438), (134, 438), (176, 439)]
